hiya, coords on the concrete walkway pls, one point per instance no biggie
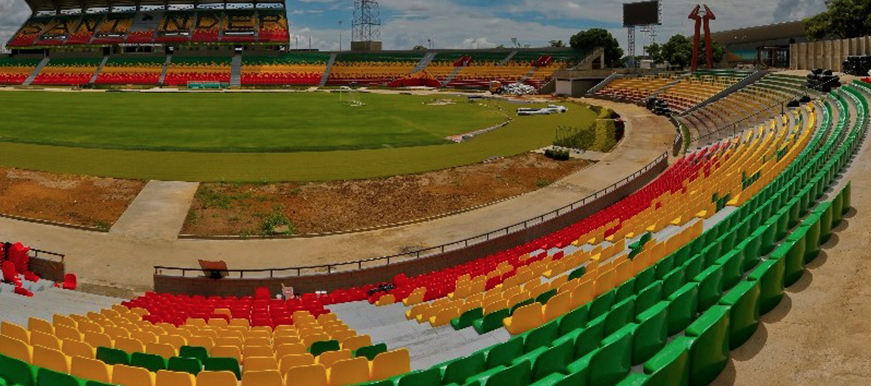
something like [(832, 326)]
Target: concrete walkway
[(127, 260), (158, 212)]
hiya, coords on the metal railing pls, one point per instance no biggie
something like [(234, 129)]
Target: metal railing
[(36, 253), (431, 251)]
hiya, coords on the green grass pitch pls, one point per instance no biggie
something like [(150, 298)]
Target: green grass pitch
[(258, 136)]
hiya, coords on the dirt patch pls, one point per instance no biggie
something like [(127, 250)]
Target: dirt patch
[(251, 209), (80, 200)]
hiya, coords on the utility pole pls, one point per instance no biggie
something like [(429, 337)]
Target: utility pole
[(340, 35)]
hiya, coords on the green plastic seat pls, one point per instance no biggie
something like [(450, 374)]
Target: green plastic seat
[(613, 360), (621, 314), (625, 290), (812, 238), (647, 297), (467, 319), (516, 375), (17, 372), (733, 267), (490, 321), (664, 266), (743, 301), (223, 364), (575, 319), (651, 333), (752, 250), (671, 365), (320, 347), (193, 352), (46, 377), (645, 278), (693, 267), (602, 304), (682, 308), (152, 362), (579, 377), (794, 246), (585, 339), (502, 354), (113, 356), (769, 274), (185, 365), (577, 273), (370, 352), (766, 238), (543, 298), (552, 362), (95, 383), (709, 347), (825, 210), (710, 286), (428, 377), (458, 371), (671, 282), (536, 341)]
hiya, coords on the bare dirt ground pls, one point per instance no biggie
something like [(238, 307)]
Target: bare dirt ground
[(243, 209), (79, 200)]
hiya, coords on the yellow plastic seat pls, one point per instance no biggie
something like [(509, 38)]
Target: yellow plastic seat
[(226, 352), (174, 378), (342, 335), (218, 323), (38, 338), (289, 349), (261, 378), (62, 332), (229, 341), (165, 350), (583, 293), (176, 341), (285, 339), (216, 378), (260, 363), (390, 364), (311, 375), (91, 369), (258, 341), (76, 348), (132, 376), (287, 362), (145, 336), (311, 339), (115, 332), (349, 372), (15, 348), (42, 325), (443, 317), (196, 322), (201, 341), (524, 319), (98, 339), (129, 345), (331, 357), (356, 342), (51, 359), (13, 330), (257, 351), (557, 306), (239, 323)]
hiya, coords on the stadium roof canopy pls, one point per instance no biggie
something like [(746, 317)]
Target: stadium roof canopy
[(787, 30), (52, 5)]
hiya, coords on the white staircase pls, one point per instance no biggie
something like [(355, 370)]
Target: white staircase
[(99, 68), (424, 62), (165, 69), (327, 70), (236, 71), (452, 76), (527, 76), (507, 59), (36, 71)]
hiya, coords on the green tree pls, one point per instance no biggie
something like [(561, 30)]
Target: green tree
[(655, 52), (843, 18), (557, 43), (677, 51), (599, 37), (419, 48)]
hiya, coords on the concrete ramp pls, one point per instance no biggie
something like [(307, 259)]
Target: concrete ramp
[(158, 212)]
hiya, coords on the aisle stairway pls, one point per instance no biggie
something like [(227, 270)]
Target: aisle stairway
[(99, 68), (236, 70), (36, 71), (165, 69), (327, 70)]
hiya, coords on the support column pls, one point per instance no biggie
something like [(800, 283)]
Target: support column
[(793, 56), (802, 56)]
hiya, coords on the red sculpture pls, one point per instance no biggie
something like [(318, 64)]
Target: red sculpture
[(709, 51)]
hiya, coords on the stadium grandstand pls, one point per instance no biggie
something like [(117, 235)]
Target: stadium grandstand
[(724, 197)]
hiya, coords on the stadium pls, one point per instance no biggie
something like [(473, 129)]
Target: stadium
[(188, 198)]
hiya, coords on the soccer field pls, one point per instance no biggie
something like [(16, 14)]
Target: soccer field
[(236, 122), (259, 136)]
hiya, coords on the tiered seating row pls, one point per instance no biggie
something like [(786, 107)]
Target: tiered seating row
[(75, 72), (197, 69), (16, 71), (288, 69), (131, 71)]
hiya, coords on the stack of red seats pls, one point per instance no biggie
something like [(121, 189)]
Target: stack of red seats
[(273, 78), (141, 36), (68, 79), (259, 311)]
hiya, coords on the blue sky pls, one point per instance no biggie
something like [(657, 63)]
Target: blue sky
[(487, 23)]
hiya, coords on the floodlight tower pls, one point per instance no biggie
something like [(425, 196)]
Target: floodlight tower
[(366, 26)]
